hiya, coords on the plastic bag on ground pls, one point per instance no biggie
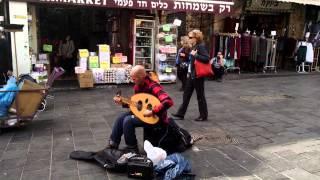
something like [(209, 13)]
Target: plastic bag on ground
[(155, 154)]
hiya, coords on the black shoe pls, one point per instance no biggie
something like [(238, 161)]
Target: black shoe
[(112, 145), (132, 149), (177, 117), (201, 119)]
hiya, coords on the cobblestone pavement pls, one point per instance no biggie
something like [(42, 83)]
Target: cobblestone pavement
[(275, 123)]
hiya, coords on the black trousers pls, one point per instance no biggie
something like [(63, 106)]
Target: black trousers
[(198, 85), (182, 75)]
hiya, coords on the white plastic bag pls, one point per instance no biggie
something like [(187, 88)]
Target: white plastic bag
[(155, 154)]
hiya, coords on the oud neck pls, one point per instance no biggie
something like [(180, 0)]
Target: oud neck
[(126, 100)]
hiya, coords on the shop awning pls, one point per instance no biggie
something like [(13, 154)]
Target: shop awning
[(310, 2), (201, 6)]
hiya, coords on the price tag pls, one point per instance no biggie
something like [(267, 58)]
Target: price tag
[(104, 65), (168, 39), (83, 53), (168, 70), (93, 62), (47, 48), (166, 27), (116, 60)]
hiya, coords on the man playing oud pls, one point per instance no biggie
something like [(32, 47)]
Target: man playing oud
[(127, 122)]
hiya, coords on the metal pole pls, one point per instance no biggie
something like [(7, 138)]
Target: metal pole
[(15, 54)]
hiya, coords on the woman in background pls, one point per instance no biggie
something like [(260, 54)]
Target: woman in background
[(182, 61)]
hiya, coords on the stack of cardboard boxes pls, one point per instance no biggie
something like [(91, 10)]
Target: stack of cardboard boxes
[(86, 79)]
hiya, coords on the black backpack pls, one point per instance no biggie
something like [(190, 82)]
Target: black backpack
[(171, 138)]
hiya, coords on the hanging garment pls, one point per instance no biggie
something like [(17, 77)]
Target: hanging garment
[(301, 53), (254, 48), (245, 46), (310, 53), (273, 52), (221, 44), (237, 52), (225, 52), (269, 53), (262, 51)]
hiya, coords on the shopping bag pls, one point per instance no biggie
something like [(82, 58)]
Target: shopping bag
[(203, 69)]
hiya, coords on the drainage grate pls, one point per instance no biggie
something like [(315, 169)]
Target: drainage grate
[(265, 98), (214, 136)]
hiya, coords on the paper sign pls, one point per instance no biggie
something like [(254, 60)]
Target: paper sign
[(168, 70), (237, 27), (79, 70), (168, 39), (116, 60), (177, 22), (104, 48), (104, 65), (83, 53), (47, 48), (166, 27), (93, 62), (124, 59)]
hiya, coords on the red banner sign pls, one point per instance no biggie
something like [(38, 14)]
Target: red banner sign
[(205, 6)]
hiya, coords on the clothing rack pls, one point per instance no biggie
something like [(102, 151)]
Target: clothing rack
[(234, 67), (229, 34)]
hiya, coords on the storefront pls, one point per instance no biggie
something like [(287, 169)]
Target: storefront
[(264, 16), (131, 31)]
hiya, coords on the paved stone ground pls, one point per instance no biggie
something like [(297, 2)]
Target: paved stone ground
[(275, 120)]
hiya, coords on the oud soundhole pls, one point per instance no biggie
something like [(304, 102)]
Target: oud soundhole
[(139, 105), (146, 101), (149, 107)]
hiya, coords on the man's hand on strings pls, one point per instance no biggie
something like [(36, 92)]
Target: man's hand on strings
[(117, 100), (147, 113)]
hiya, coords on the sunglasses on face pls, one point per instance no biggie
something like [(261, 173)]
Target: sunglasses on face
[(191, 37)]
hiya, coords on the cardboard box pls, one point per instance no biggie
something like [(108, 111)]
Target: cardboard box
[(28, 102), (86, 84), (86, 79)]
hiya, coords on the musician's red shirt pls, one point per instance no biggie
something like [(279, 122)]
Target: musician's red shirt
[(152, 87)]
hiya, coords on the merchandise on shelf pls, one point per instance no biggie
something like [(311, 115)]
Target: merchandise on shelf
[(102, 70), (166, 50)]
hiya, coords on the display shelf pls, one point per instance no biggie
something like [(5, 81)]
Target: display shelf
[(143, 42), (166, 50)]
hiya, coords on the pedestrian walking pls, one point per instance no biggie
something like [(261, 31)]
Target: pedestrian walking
[(198, 53), (182, 61)]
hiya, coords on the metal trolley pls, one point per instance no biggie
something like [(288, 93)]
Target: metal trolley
[(16, 117)]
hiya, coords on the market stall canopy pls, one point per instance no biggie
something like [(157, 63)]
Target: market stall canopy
[(203, 6), (310, 2)]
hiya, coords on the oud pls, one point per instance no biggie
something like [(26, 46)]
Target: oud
[(140, 102)]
